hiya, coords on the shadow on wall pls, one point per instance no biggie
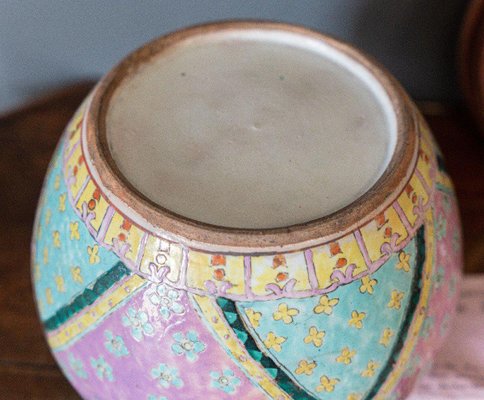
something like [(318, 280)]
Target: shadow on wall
[(417, 41), (45, 43)]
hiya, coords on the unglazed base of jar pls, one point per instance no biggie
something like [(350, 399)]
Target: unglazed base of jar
[(138, 301), (251, 129)]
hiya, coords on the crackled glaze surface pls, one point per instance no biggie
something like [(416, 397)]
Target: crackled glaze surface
[(131, 315)]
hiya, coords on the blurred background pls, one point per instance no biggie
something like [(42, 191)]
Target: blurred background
[(45, 44)]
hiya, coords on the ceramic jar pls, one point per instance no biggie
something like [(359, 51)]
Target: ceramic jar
[(139, 302)]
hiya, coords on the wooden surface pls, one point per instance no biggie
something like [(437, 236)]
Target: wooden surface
[(28, 137)]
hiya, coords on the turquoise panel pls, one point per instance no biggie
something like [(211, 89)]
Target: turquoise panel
[(67, 258), (339, 345)]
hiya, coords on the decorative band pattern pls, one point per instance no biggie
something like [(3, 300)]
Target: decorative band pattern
[(90, 316), (297, 274)]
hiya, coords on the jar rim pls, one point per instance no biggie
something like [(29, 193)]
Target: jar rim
[(162, 222)]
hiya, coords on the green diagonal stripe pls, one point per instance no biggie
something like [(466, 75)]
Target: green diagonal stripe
[(409, 317), (88, 296), (282, 379)]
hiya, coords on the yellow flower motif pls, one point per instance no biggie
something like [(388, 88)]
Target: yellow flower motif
[(367, 284), (404, 261), (327, 384), (56, 239), (325, 305), (285, 313), (48, 296), (59, 281), (395, 301), (254, 317), (57, 182), (386, 337), (62, 202), (92, 251), (74, 230), (370, 369), (39, 231), (46, 255), (274, 342), (354, 396), (346, 356), (305, 367), (48, 214), (357, 319), (76, 274), (315, 337)]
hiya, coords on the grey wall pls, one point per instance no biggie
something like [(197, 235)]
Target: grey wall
[(47, 43)]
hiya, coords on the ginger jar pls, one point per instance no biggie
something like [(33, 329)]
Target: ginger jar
[(246, 210)]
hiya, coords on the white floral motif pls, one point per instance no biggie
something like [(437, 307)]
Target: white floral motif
[(168, 301), (139, 323)]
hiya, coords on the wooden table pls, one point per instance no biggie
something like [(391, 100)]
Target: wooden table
[(28, 137)]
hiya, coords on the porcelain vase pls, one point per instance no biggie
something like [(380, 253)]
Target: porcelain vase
[(140, 303)]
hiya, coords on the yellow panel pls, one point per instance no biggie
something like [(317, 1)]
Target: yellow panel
[(396, 224), (374, 235), (351, 251), (279, 269), (235, 274), (423, 165), (200, 270), (324, 265), (419, 189), (133, 238), (406, 204), (81, 177), (162, 254), (100, 205), (73, 165), (86, 195), (72, 161), (114, 228), (99, 211), (411, 198), (349, 254), (298, 270)]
